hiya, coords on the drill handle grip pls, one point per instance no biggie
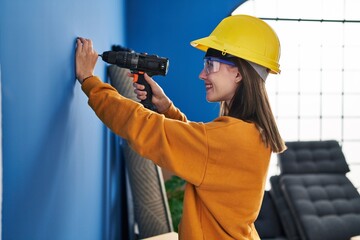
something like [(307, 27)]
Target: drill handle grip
[(148, 101)]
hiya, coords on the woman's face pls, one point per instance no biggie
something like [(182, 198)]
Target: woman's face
[(220, 85)]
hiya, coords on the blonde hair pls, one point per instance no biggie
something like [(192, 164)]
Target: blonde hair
[(250, 103)]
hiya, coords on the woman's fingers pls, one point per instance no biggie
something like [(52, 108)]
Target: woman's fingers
[(85, 58), (140, 94)]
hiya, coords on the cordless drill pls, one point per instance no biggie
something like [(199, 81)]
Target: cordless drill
[(138, 63)]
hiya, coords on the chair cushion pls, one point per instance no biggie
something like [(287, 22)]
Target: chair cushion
[(313, 157), (283, 210), (324, 206)]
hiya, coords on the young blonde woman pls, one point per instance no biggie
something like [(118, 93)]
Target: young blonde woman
[(224, 162)]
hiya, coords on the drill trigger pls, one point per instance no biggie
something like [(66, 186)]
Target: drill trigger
[(136, 77)]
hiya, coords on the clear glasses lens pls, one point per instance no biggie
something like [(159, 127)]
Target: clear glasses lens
[(211, 66)]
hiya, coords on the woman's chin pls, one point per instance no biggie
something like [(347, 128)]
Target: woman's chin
[(210, 99)]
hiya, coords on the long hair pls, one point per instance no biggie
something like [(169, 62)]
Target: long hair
[(250, 103)]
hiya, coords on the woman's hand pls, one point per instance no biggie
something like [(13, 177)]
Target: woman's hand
[(159, 99), (85, 59)]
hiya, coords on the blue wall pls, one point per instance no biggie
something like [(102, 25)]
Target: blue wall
[(56, 159), (54, 173), (166, 28)]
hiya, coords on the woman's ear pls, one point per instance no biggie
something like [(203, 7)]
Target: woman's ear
[(238, 77)]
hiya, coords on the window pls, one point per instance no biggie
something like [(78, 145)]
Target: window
[(316, 95)]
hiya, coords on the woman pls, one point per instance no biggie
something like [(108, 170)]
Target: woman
[(225, 161)]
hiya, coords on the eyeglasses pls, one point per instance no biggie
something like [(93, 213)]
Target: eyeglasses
[(212, 64)]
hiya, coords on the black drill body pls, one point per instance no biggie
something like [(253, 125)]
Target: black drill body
[(139, 64)]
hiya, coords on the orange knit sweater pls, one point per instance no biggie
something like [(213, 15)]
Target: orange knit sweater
[(224, 161)]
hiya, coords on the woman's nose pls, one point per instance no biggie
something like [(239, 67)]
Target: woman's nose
[(203, 74)]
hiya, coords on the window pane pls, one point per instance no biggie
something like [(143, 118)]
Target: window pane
[(351, 105), (351, 151), (288, 128), (309, 129), (331, 128), (351, 31), (288, 81), (310, 81), (316, 94), (289, 57), (265, 8), (272, 78), (327, 34), (310, 34), (332, 57), (351, 128), (273, 170), (288, 9), (354, 175), (273, 103), (331, 105), (271, 87), (309, 12), (310, 105), (352, 81), (331, 81), (333, 9), (288, 105), (351, 55), (352, 9)]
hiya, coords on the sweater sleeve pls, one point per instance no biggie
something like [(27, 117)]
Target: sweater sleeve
[(178, 146), (174, 113)]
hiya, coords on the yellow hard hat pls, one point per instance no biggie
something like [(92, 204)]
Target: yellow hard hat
[(246, 37)]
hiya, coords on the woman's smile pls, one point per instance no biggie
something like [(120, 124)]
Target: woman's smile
[(208, 86)]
